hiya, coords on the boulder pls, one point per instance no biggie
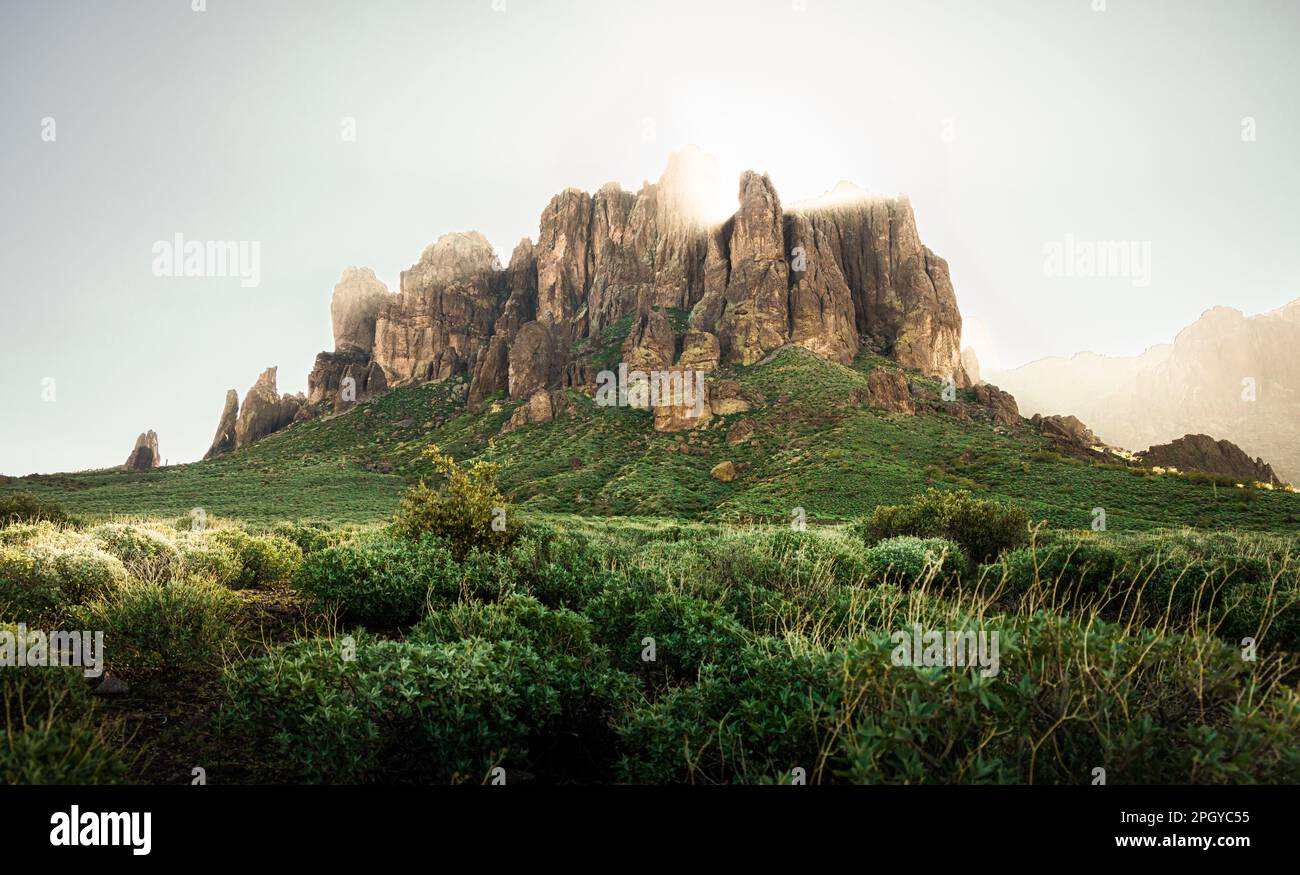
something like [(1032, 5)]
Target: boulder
[(1066, 432), (144, 456), (680, 401), (741, 432), (724, 472), (542, 406), (700, 351), (1002, 407), (728, 396), (887, 389)]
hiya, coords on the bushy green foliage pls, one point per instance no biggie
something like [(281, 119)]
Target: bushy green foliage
[(909, 559), (152, 628), (262, 558), (984, 528), (38, 583), (379, 580), (1243, 587), (51, 732), (849, 714), (462, 510), (147, 554), (580, 671), (309, 537), (207, 557), (24, 507), (397, 712)]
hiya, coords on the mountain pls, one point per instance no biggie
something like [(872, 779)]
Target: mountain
[(833, 276), (1227, 375)]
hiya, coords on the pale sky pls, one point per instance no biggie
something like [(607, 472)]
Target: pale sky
[(1010, 124)]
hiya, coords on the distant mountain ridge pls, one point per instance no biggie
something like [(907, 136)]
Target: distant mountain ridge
[(1229, 375)]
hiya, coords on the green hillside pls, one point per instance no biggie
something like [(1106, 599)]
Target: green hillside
[(812, 449)]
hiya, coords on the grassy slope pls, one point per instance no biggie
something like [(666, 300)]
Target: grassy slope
[(811, 450)]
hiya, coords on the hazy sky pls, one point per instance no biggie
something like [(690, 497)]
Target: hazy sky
[(1010, 125)]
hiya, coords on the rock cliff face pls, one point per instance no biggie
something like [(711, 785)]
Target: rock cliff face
[(438, 326), (354, 309), (144, 456), (1199, 452), (224, 441), (694, 292)]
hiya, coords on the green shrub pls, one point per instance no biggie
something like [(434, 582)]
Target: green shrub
[(1204, 580), (262, 558), (152, 628), (21, 534), (590, 691), (65, 754), (39, 583), (1191, 714), (465, 510), (397, 712), (208, 558), (51, 733), (24, 507), (309, 537), (908, 559), (380, 580), (687, 632), (147, 555), (984, 528)]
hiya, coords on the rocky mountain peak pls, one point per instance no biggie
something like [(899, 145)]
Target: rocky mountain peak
[(703, 292), (354, 308), (144, 455)]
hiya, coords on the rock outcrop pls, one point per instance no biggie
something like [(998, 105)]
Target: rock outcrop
[(1066, 433), (224, 441), (349, 374), (1001, 405), (1199, 452), (542, 406), (887, 389), (265, 410), (144, 456)]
